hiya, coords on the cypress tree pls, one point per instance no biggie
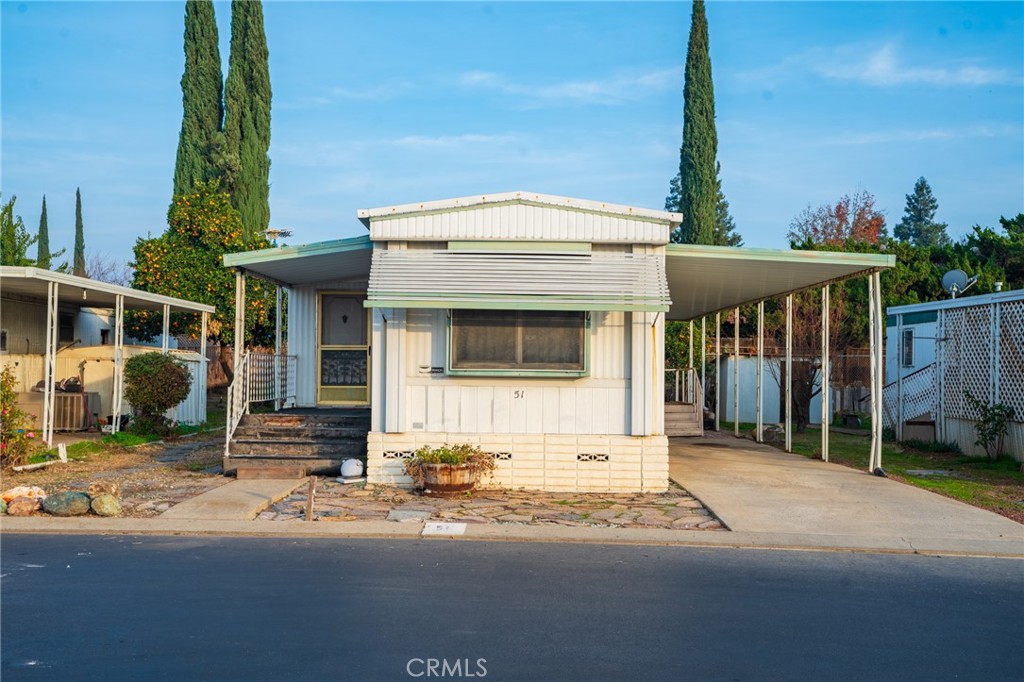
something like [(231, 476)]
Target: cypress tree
[(698, 190), (79, 263), (247, 117), (202, 90), (43, 241)]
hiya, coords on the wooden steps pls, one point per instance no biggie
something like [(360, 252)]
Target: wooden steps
[(295, 444), (683, 419)]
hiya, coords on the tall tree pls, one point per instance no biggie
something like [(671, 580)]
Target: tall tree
[(724, 231), (14, 238), (698, 186), (79, 263), (202, 96), (247, 117), (43, 241), (918, 225)]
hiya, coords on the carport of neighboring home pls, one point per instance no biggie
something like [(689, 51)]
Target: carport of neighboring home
[(529, 324)]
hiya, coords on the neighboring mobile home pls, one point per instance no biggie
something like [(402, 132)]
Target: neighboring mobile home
[(529, 324)]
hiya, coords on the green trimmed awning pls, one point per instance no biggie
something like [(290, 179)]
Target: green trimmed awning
[(708, 279), (523, 280)]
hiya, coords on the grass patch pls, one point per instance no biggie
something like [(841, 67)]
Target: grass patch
[(126, 439)]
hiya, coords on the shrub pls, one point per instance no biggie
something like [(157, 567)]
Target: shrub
[(18, 441), (154, 383), (992, 424)]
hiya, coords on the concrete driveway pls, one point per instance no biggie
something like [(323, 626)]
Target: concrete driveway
[(757, 488)]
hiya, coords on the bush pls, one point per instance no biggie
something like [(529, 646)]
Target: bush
[(18, 441), (154, 383)]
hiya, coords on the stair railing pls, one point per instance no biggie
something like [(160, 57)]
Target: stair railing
[(259, 378), (682, 385), (238, 403)]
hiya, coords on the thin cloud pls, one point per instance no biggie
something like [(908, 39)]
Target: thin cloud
[(614, 89), (878, 67), (924, 134), (382, 92)]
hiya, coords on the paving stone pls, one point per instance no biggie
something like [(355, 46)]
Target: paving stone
[(402, 515), (516, 518)]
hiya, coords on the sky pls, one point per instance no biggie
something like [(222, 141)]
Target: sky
[(381, 103)]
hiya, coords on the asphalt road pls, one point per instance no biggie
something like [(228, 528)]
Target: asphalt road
[(250, 609)]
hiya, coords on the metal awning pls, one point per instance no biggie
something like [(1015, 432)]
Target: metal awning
[(33, 284), (517, 280), (707, 279), (307, 263)]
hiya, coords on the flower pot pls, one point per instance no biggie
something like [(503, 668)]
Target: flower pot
[(443, 480)]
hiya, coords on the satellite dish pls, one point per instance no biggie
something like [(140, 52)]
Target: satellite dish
[(273, 233), (956, 282)]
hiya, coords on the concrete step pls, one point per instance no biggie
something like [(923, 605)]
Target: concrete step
[(260, 431), (280, 467), (352, 419), (247, 471), (275, 448)]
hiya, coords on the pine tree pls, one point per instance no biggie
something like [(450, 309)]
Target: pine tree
[(247, 117), (43, 241), (918, 225), (79, 263), (697, 171), (202, 88)]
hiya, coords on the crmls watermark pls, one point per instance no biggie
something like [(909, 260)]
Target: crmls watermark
[(444, 668)]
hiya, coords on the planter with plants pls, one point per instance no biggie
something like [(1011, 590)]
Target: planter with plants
[(449, 469)]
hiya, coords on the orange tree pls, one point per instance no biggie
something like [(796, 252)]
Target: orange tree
[(185, 262)]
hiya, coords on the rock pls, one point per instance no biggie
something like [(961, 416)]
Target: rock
[(104, 488), (105, 504), (23, 491), (3, 507), (67, 504), (23, 506)]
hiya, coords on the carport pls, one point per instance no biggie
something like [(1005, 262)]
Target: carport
[(55, 289), (708, 280)]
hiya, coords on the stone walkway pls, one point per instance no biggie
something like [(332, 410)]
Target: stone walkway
[(334, 501)]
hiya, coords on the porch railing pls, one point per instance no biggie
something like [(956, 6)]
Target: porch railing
[(683, 386), (259, 378), (918, 396)]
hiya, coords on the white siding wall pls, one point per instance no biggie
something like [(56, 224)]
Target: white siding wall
[(520, 222), (302, 335), (598, 404)]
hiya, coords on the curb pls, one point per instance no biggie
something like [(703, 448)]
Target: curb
[(1008, 549)]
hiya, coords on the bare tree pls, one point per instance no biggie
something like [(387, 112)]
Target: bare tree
[(106, 268)]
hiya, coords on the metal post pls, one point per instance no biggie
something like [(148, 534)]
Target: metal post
[(789, 373), (703, 363), (826, 390), (873, 351), (239, 330), (760, 372), (204, 323), (718, 367), (876, 417), (165, 339), (690, 338), (118, 362), (736, 374), (50, 380), (900, 351), (278, 401)]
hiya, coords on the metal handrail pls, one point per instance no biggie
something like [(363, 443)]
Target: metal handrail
[(237, 403), (684, 387), (259, 378)]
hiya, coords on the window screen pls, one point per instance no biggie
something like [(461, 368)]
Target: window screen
[(505, 340), (908, 347)]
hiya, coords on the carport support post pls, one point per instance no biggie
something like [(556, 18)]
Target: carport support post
[(826, 391), (760, 372), (718, 367), (703, 363), (789, 373), (277, 349), (736, 373), (690, 337), (239, 330), (204, 323), (875, 294), (118, 362), (165, 340), (49, 381)]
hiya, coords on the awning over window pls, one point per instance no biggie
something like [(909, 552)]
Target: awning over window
[(517, 280)]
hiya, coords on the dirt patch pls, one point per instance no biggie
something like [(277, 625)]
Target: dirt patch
[(152, 477)]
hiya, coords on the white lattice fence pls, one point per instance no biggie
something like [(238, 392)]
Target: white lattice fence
[(919, 396), (1011, 356)]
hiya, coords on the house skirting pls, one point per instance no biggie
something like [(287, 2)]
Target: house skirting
[(579, 463)]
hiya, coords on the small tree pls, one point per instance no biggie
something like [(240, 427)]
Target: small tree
[(14, 238), (154, 383), (17, 439), (992, 425)]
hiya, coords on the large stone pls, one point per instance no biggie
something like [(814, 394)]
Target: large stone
[(23, 506), (23, 491), (104, 487), (106, 505), (3, 507), (66, 504)]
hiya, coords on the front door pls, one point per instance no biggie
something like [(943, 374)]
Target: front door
[(342, 351)]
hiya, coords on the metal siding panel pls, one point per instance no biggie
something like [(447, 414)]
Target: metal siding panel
[(435, 408), (584, 413), (534, 411), (501, 410), (468, 406), (417, 407), (302, 342), (550, 409), (452, 395), (567, 409), (485, 410), (517, 412)]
